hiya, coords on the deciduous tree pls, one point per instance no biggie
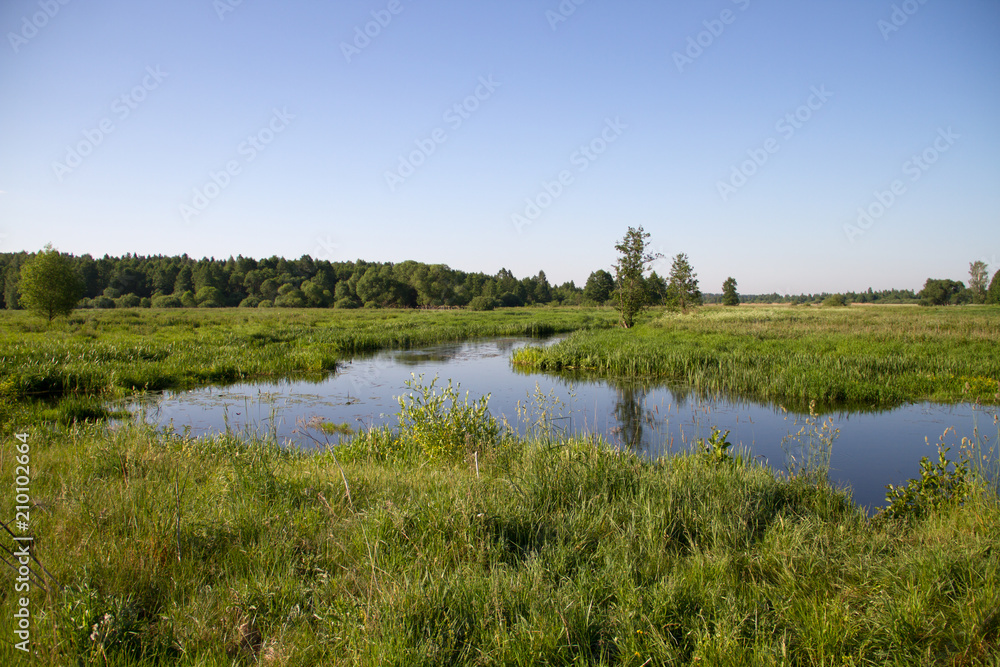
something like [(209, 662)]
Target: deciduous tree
[(630, 286), (49, 285), (978, 278)]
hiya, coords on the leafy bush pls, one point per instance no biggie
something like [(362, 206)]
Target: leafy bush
[(835, 301), (440, 425), (166, 301), (128, 301), (940, 483), (483, 303), (717, 446), (104, 302), (250, 302)]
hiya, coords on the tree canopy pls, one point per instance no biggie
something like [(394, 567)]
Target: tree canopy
[(730, 297), (630, 286), (682, 288), (49, 285)]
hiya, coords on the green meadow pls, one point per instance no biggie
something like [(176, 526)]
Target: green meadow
[(449, 540), (859, 357)]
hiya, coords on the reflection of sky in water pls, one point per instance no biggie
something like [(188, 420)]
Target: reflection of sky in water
[(873, 449)]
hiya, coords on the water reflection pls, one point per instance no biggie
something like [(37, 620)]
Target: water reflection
[(872, 450)]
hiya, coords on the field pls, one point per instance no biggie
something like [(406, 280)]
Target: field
[(108, 353), (446, 540), (860, 357)]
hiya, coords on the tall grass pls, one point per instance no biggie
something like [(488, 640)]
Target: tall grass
[(110, 351), (858, 357), (175, 550)]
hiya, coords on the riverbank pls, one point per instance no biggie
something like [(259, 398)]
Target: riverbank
[(420, 547), (108, 353), (857, 357)]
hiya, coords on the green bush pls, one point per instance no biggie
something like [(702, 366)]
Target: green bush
[(441, 425), (483, 303), (166, 301), (835, 301)]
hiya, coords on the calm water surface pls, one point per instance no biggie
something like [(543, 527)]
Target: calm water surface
[(872, 449)]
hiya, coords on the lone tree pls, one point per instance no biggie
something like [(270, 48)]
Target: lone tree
[(49, 285), (978, 279), (630, 287), (682, 290), (730, 297)]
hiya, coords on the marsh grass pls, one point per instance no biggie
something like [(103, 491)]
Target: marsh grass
[(858, 358), (393, 550), (232, 550), (113, 353)]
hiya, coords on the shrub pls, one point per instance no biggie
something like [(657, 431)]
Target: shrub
[(440, 426), (104, 302), (483, 303), (250, 302), (128, 301), (166, 301), (835, 301)]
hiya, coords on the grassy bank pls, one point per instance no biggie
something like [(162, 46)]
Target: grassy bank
[(101, 352), (857, 357), (172, 550)]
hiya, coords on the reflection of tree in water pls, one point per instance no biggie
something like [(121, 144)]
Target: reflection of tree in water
[(631, 413)]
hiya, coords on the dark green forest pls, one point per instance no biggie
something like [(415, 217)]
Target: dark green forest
[(159, 281)]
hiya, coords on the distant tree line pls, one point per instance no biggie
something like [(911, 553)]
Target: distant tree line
[(181, 281), (173, 282)]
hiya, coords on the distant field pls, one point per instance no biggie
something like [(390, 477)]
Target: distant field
[(870, 356), (105, 351)]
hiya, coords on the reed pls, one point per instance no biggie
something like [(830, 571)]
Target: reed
[(175, 550), (111, 352), (861, 357)]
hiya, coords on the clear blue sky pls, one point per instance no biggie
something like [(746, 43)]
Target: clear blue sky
[(182, 85)]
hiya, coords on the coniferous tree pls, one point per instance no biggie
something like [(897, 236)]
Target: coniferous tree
[(682, 291), (730, 297)]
